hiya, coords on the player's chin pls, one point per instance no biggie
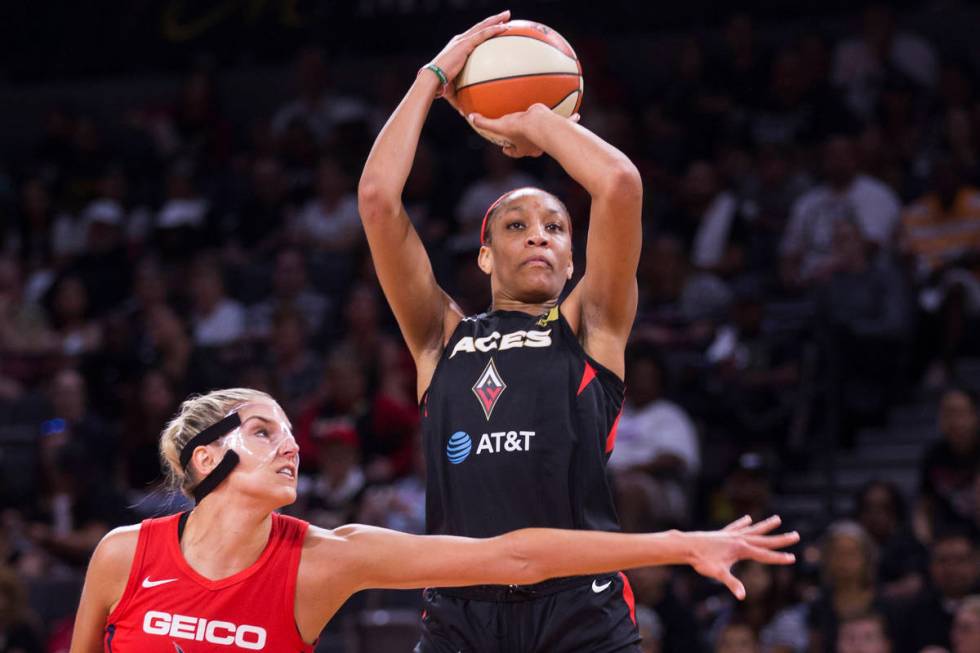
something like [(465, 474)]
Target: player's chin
[(541, 287), (284, 496)]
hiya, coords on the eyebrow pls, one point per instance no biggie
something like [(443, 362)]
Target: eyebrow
[(265, 419), (518, 207)]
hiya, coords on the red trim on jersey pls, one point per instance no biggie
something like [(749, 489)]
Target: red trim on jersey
[(611, 438), (587, 375), (628, 596)]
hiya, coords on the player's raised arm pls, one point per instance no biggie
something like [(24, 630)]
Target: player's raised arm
[(381, 558), (421, 307), (604, 303)]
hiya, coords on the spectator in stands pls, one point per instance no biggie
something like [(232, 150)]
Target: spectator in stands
[(654, 589), (169, 343), (737, 637), (755, 374), (155, 403), (197, 124), (399, 505), (745, 490), (332, 496), (389, 374), (657, 455), (807, 248), (216, 319), (863, 63), (711, 222), (941, 231), (793, 110), (102, 263), (953, 574), (39, 237), (651, 630), (864, 633), (183, 223), (23, 324), (739, 67), (291, 291), (19, 629), (72, 419), (765, 200), (320, 106), (330, 220), (341, 395), (264, 208), (364, 337), (296, 369), (948, 468), (867, 319), (77, 509), (849, 567), (679, 307), (778, 621), (965, 635), (882, 511), (76, 332)]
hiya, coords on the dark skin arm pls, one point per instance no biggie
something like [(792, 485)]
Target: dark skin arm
[(602, 307)]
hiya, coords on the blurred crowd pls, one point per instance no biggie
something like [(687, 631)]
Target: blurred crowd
[(811, 258)]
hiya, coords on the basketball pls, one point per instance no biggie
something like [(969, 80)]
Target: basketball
[(525, 64)]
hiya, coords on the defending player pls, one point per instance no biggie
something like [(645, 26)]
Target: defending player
[(234, 575)]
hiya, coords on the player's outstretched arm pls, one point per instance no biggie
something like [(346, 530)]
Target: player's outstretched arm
[(604, 302), (387, 559), (421, 307)]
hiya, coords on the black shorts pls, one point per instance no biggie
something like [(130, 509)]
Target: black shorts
[(591, 614)]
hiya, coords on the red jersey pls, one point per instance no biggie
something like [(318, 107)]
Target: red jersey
[(167, 607)]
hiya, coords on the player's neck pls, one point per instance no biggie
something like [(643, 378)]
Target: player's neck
[(224, 538), (506, 304)]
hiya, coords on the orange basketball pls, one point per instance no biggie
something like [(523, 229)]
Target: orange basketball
[(524, 64)]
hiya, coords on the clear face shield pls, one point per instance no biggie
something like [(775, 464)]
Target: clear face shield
[(258, 430), (264, 434)]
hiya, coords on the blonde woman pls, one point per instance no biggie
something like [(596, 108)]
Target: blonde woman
[(232, 571)]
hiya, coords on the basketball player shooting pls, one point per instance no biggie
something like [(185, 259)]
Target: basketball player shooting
[(520, 403)]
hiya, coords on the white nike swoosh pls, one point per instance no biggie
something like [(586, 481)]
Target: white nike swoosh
[(600, 588), (153, 583)]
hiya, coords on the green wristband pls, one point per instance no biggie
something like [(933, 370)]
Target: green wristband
[(438, 71)]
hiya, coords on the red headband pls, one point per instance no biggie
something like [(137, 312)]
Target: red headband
[(496, 203)]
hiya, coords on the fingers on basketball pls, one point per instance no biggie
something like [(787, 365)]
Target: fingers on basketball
[(502, 17)]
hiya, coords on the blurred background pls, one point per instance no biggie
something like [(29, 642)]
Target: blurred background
[(178, 214)]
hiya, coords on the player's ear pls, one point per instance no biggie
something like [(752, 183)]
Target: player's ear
[(202, 461), (485, 259), (570, 269)]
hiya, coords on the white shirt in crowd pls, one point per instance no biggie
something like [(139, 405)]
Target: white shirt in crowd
[(660, 427), (713, 231), (224, 325), (860, 72), (810, 232), (336, 228)]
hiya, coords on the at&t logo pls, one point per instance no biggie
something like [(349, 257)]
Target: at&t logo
[(461, 444), (459, 447)]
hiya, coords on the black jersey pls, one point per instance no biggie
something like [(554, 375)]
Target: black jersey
[(518, 423)]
